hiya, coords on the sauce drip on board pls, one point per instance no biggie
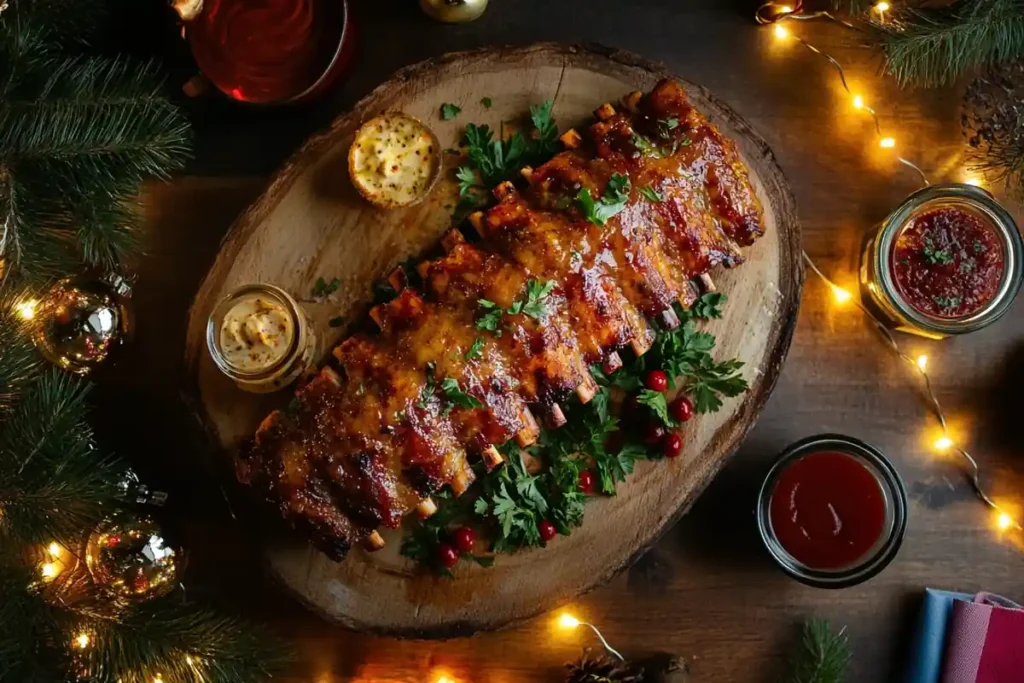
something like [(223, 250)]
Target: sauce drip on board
[(265, 50), (827, 510), (948, 263)]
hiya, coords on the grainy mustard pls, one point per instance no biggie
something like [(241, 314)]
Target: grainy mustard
[(394, 160)]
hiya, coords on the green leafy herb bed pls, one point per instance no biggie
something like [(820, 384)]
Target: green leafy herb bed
[(541, 492)]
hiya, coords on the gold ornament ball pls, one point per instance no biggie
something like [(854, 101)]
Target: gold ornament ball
[(80, 321), (128, 558), (453, 11)]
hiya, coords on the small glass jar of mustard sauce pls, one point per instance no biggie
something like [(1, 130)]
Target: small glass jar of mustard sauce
[(946, 261), (261, 338)]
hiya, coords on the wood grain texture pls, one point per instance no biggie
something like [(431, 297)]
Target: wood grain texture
[(310, 223)]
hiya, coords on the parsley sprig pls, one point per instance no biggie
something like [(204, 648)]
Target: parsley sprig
[(423, 543), (616, 194), (535, 305), (452, 394), (492, 161)]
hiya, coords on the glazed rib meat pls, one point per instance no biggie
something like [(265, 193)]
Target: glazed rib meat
[(506, 327)]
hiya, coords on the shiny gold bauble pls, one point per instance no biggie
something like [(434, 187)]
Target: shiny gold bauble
[(80, 321), (453, 11), (129, 559)]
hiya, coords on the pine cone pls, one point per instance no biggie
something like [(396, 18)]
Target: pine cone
[(603, 669)]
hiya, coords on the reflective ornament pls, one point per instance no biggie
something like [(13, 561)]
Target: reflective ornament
[(131, 490), (128, 558), (453, 11), (80, 321)]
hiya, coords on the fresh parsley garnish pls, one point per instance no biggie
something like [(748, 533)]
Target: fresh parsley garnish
[(491, 319), (652, 194), (474, 350), (449, 111), (486, 101), (423, 543), (935, 256), (967, 265), (546, 142), (536, 295), (947, 302), (456, 396), (979, 248), (534, 304), (616, 194), (708, 306), (656, 401), (467, 180), (666, 126), (428, 388), (322, 288)]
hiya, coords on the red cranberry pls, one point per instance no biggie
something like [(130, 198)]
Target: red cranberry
[(587, 481), (547, 530), (447, 556), (464, 538), (654, 433), (681, 408), (656, 380), (673, 445)]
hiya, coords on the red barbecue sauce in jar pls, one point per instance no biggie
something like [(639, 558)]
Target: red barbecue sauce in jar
[(267, 51), (948, 263), (827, 510)]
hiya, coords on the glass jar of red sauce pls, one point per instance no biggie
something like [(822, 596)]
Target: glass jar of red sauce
[(832, 511), (272, 51), (946, 261)]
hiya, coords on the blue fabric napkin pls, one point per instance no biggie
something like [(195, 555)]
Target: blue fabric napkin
[(926, 647)]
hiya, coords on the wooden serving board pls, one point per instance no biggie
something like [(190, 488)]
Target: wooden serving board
[(311, 223)]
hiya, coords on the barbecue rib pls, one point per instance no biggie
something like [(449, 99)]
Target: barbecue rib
[(438, 385)]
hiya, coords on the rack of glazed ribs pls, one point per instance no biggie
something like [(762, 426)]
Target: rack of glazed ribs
[(505, 327)]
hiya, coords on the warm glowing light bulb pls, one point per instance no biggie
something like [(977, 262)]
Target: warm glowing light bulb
[(159, 678), (27, 309), (568, 621), (443, 679), (780, 31), (840, 294), (82, 640), (887, 143), (943, 443), (973, 181), (785, 9), (922, 362), (53, 549), (858, 102), (882, 7), (49, 570), (1004, 521)]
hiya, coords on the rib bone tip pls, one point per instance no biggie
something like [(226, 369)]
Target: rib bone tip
[(426, 508), (492, 458), (374, 541)]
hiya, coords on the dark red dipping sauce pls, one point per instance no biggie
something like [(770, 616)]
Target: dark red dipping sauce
[(948, 263), (266, 50), (827, 510)]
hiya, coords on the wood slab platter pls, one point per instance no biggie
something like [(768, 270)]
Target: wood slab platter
[(311, 223)]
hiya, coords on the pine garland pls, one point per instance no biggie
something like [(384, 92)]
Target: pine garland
[(78, 135), (823, 655), (932, 47)]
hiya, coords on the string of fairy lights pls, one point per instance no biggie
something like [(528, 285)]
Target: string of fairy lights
[(775, 14)]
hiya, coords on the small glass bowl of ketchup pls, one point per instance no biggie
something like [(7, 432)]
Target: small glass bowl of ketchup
[(946, 261), (832, 511), (272, 51)]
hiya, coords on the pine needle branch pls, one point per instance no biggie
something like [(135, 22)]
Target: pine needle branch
[(823, 655), (77, 137), (179, 642), (931, 47)]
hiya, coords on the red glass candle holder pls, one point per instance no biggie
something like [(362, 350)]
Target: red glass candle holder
[(272, 51)]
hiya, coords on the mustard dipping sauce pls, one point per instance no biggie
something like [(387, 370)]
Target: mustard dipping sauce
[(256, 333), (394, 160)]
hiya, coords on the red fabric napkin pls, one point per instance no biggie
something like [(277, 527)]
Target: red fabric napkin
[(985, 641)]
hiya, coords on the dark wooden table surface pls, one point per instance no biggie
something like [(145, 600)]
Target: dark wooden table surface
[(707, 590)]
